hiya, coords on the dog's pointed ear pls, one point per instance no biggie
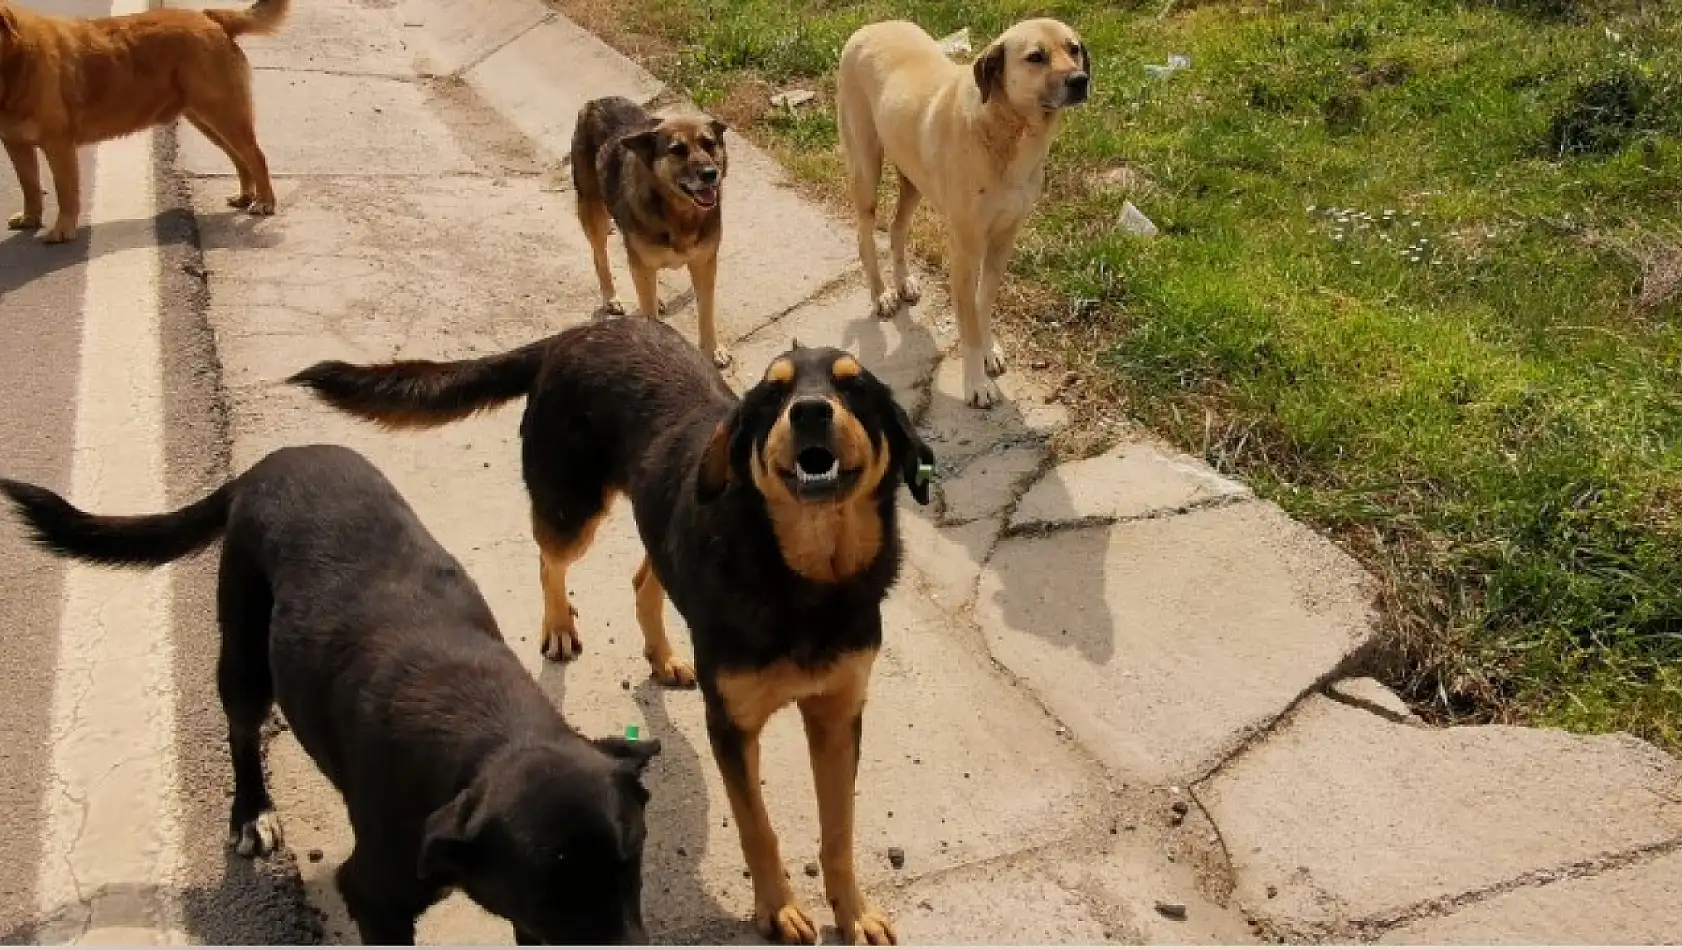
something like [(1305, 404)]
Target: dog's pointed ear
[(716, 472), (990, 71), (449, 837), (645, 145), (719, 128), (638, 752), (915, 458)]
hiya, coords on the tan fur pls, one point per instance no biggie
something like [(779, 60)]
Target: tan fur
[(979, 160), (668, 671), (845, 368), (559, 639), (827, 543), (830, 700), (780, 371), (71, 82)]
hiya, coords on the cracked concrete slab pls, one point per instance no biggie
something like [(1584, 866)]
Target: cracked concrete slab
[(947, 557), (520, 81), (1634, 905), (989, 481), (958, 432), (1366, 692), (450, 35), (1197, 630), (337, 125), (1132, 480), (1348, 817)]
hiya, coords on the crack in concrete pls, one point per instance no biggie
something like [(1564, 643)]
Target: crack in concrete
[(1365, 705), (1046, 529), (487, 54), (407, 79)]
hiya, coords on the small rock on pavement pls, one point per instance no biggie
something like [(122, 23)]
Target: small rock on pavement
[(811, 869), (1133, 221), (1171, 911), (316, 855), (793, 98), (896, 857)]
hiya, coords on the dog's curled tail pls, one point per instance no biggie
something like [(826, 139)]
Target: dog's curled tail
[(420, 394), (118, 540), (264, 16)]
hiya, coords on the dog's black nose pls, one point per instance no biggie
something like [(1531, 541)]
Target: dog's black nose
[(810, 414), (709, 175), (1078, 83)]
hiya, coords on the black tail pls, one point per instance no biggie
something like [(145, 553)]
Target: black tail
[(420, 394), (118, 540)]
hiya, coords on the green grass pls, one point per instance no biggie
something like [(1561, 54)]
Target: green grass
[(1411, 284)]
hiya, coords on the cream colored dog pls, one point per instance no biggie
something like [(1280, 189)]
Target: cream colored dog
[(973, 141)]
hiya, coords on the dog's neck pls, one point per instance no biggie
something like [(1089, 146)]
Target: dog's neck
[(831, 543), (1016, 143), (683, 221)]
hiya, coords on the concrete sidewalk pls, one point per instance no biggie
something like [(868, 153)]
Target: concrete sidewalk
[(1108, 684)]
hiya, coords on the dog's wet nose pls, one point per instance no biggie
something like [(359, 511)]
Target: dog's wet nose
[(709, 175), (809, 415), (1077, 84)]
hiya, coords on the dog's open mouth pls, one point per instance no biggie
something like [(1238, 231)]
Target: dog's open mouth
[(817, 474), (705, 196)]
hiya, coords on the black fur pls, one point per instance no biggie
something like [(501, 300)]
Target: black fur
[(457, 771)]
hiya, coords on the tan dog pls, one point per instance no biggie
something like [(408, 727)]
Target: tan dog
[(660, 178), (973, 141), (67, 82)]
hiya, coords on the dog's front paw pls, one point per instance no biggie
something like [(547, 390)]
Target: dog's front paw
[(258, 837), (786, 924), (59, 233), (869, 927), (887, 305), (613, 307), (260, 207), (672, 673), (979, 390), (995, 359), (910, 289), (721, 357), (240, 201), (23, 221), (562, 644)]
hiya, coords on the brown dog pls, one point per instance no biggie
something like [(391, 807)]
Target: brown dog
[(660, 179), (66, 83), (973, 141)]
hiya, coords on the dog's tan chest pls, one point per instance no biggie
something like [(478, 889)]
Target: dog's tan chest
[(751, 696), (667, 251)]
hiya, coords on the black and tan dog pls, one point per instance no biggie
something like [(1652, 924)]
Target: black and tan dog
[(457, 771), (769, 520), (660, 179)]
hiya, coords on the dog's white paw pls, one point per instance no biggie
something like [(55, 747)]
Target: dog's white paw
[(23, 222), (979, 390), (60, 232), (613, 307), (562, 646), (911, 290), (995, 359), (886, 306), (258, 837), (721, 357)]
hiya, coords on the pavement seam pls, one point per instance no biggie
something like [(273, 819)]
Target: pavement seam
[(1371, 927), (487, 54), (1337, 696), (1045, 529), (346, 73)]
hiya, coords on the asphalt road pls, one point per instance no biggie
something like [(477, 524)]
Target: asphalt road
[(45, 293)]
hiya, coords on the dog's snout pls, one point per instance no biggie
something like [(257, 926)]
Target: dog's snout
[(1078, 83), (810, 414), (708, 175)]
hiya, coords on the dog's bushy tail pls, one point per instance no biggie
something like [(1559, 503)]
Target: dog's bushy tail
[(118, 540), (420, 394), (264, 16)]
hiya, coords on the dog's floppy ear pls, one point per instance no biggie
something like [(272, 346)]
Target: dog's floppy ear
[(645, 145), (990, 71), (716, 472), (449, 836), (908, 448), (638, 752)]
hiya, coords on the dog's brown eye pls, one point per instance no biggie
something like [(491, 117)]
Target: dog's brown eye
[(678, 149), (1074, 49), (706, 145), (1037, 56)]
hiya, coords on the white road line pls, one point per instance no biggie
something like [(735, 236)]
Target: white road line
[(112, 849)]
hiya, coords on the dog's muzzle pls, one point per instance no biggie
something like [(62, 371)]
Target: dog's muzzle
[(704, 189), (1076, 88), (817, 474)]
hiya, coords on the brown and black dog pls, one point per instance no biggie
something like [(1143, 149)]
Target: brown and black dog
[(457, 771), (660, 179), (69, 82), (768, 520)]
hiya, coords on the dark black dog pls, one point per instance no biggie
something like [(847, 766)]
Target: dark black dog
[(457, 771), (769, 520)]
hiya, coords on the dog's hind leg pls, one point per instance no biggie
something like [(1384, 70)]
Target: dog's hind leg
[(230, 121), (734, 720), (905, 284), (246, 192), (26, 163), (668, 670), (834, 726), (862, 151), (246, 686), (993, 265), (559, 546)]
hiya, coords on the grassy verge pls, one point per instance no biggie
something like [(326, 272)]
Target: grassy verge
[(1418, 281)]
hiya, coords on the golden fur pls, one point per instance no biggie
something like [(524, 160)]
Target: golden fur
[(71, 82), (973, 141)]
